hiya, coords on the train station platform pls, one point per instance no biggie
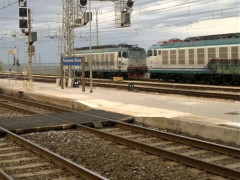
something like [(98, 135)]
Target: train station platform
[(214, 119)]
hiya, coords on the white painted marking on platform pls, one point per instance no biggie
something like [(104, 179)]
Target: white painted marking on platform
[(94, 106), (231, 124), (190, 103)]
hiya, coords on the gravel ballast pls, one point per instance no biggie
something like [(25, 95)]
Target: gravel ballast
[(112, 160), (6, 113)]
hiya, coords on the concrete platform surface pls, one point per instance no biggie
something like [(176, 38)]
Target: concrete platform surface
[(208, 112)]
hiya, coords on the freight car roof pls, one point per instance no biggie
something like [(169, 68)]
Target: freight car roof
[(214, 42)]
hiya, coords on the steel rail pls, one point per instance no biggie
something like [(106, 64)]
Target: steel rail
[(4, 176), (17, 108), (163, 88), (181, 139), (61, 161), (190, 161), (170, 155), (232, 96), (43, 78), (172, 85), (41, 105)]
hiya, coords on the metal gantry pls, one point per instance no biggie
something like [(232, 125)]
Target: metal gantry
[(74, 15), (68, 33)]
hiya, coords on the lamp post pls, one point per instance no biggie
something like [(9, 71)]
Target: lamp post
[(90, 47)]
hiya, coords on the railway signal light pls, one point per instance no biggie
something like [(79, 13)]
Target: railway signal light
[(83, 2), (130, 3), (23, 23), (23, 12)]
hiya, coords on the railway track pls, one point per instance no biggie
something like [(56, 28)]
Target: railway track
[(214, 158), (196, 93), (22, 159), (207, 91), (27, 106), (217, 159)]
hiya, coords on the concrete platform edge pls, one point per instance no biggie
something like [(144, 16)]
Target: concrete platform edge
[(216, 133), (212, 132), (50, 99)]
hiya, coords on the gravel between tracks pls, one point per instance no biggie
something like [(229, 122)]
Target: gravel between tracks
[(6, 113), (27, 154), (111, 160)]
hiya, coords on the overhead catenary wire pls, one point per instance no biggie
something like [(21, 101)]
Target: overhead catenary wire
[(163, 22)]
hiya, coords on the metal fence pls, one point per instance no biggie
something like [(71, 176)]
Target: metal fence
[(43, 68)]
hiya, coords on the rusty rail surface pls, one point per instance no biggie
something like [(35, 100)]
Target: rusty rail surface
[(187, 160), (195, 93), (171, 85), (17, 108), (4, 176), (36, 104), (181, 139), (62, 162)]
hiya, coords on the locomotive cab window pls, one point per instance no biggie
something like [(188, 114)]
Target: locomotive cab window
[(124, 54), (119, 54), (149, 53), (155, 52), (138, 53), (132, 54)]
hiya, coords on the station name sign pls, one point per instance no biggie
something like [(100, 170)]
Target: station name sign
[(72, 61)]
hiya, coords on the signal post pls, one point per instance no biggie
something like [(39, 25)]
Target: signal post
[(25, 24)]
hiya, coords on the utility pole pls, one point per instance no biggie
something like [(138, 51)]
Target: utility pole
[(83, 75), (30, 48), (90, 47), (16, 63), (97, 27)]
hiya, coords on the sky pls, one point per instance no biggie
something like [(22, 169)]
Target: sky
[(152, 21)]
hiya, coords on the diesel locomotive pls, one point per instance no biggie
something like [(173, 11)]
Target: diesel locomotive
[(124, 60)]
